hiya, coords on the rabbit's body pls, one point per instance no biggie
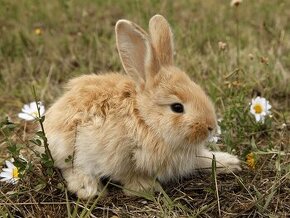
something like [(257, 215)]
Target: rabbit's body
[(132, 127), (90, 102)]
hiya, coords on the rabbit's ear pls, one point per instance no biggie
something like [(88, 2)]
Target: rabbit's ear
[(162, 39), (135, 51)]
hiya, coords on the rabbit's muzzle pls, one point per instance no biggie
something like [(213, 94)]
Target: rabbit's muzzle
[(199, 132)]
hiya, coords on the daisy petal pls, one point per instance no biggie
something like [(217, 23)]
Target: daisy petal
[(258, 117), (41, 110), (26, 108), (7, 170), (26, 116), (33, 106), (4, 179), (6, 175), (9, 164)]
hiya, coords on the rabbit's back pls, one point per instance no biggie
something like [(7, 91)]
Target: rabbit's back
[(89, 101)]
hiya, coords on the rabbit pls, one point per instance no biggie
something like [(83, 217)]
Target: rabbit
[(142, 128)]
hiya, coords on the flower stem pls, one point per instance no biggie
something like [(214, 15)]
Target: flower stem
[(45, 143), (47, 150), (238, 36)]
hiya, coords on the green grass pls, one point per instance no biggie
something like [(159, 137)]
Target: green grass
[(77, 37)]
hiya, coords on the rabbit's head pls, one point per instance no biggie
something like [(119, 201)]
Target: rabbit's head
[(168, 101)]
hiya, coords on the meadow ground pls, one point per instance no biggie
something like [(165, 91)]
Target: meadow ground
[(45, 43)]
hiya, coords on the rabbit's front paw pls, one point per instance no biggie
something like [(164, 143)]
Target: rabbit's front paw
[(84, 186), (139, 184), (226, 162)]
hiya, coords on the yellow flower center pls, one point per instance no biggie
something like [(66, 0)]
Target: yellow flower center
[(34, 114), (15, 172), (38, 31), (258, 108)]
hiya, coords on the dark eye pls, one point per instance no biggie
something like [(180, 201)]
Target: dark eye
[(177, 108)]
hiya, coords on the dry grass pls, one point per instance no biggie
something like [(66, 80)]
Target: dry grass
[(43, 44)]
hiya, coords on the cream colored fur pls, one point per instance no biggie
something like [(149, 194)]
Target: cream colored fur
[(122, 126)]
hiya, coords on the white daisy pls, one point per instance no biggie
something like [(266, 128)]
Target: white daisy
[(29, 111), (260, 108), (9, 174)]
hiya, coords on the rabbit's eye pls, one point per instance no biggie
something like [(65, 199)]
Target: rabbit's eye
[(177, 108)]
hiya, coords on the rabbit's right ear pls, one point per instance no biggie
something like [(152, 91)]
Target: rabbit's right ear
[(162, 39), (135, 51)]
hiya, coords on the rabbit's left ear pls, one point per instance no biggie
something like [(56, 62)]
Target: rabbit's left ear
[(162, 39), (136, 52)]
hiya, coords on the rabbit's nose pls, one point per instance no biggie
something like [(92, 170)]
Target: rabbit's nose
[(210, 128)]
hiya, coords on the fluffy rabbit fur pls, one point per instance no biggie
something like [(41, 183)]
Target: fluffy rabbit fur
[(124, 126)]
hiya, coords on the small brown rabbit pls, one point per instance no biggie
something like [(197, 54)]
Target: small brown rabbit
[(151, 123)]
